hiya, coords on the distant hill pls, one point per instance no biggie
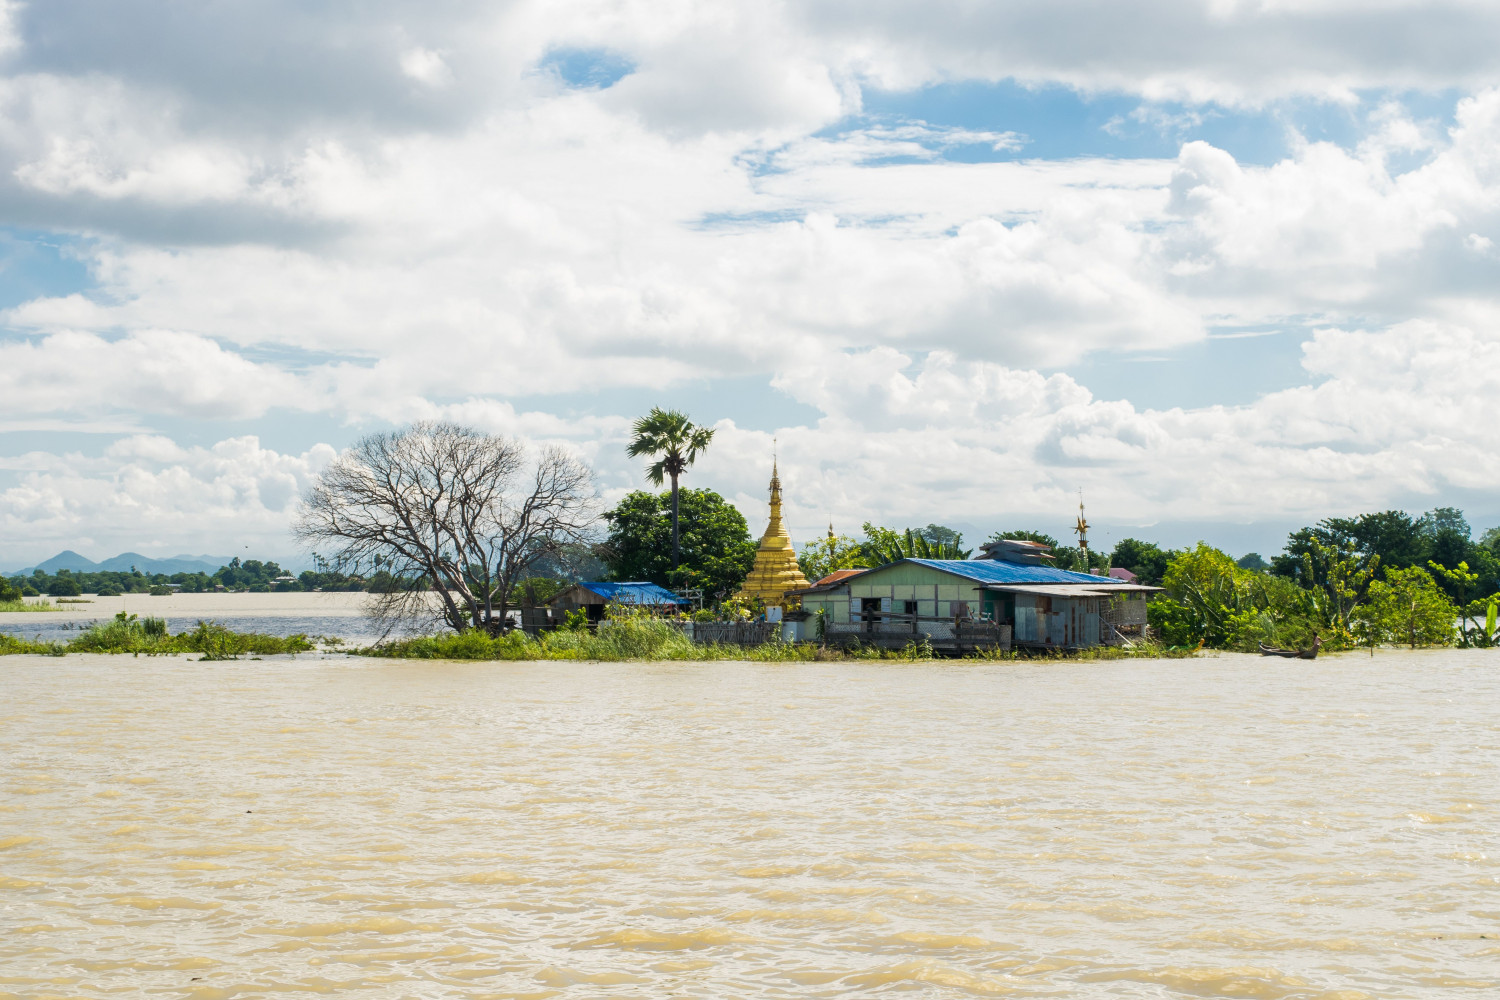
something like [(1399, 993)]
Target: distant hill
[(72, 561)]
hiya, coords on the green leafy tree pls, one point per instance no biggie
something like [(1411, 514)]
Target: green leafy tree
[(1253, 562), (1398, 538), (886, 545), (1072, 559), (1145, 560), (1025, 536), (1062, 556), (1448, 535), (677, 441), (716, 549), (825, 555), (1467, 592), (1407, 607), (939, 534), (64, 585), (1341, 575), (1204, 581), (1476, 626), (536, 591)]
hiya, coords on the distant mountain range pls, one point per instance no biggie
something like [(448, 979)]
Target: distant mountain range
[(72, 561)]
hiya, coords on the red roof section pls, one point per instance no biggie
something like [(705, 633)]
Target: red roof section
[(837, 575)]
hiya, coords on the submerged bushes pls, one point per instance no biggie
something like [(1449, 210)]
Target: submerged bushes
[(629, 636), (131, 634), (1341, 596), (10, 646)]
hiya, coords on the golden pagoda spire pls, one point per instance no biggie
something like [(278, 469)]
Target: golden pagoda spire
[(776, 570)]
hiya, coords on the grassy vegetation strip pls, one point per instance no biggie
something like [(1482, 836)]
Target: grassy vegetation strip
[(130, 634), (645, 639), (12, 645), (22, 605)]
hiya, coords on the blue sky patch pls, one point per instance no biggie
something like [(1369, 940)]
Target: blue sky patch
[(36, 264), (1059, 122), (588, 69)]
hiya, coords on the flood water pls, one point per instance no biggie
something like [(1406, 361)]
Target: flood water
[(1218, 827)]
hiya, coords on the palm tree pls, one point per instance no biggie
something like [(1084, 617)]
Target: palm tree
[(884, 546), (671, 435)]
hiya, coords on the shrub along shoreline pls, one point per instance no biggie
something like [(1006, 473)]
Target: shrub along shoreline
[(640, 637), (132, 634)]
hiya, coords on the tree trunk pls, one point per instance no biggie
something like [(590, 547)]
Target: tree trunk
[(675, 550)]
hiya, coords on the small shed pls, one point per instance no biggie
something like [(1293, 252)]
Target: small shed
[(594, 596)]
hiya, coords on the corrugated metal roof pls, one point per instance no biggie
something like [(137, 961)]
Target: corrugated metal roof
[(633, 593), (994, 571), (837, 575), (1052, 589)]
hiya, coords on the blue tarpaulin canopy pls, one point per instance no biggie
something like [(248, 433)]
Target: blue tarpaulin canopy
[(634, 593)]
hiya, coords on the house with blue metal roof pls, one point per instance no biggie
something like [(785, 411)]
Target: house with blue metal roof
[(594, 596), (1038, 605)]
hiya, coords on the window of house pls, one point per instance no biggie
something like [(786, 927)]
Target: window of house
[(909, 607)]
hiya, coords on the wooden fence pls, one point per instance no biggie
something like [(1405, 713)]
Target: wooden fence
[(734, 633), (889, 630), (536, 620)]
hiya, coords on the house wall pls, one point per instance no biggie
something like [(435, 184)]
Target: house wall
[(835, 604), (934, 591), (576, 597), (1060, 621)]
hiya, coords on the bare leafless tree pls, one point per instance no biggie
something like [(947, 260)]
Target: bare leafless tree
[(446, 507)]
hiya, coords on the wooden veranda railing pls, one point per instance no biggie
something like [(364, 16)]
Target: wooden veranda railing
[(889, 629)]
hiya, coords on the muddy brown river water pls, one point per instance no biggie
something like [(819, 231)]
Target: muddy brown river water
[(1218, 827)]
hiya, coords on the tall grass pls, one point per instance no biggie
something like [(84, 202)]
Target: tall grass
[(21, 604)]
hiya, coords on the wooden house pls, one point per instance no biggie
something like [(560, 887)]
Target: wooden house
[(954, 601), (594, 596)]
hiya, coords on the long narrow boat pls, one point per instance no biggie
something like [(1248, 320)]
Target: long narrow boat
[(1310, 653)]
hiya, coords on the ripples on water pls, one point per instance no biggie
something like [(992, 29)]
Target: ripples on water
[(1215, 827)]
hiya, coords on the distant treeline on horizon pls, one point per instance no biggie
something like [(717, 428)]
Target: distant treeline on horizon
[(251, 575)]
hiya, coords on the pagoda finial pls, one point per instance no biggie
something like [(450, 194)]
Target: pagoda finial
[(1082, 530)]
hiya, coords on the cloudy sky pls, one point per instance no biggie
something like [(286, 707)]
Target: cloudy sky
[(1228, 266)]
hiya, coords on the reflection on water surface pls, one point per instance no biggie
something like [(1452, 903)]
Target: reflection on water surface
[(1216, 827)]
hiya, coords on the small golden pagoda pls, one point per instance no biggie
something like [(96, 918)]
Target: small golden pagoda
[(775, 571)]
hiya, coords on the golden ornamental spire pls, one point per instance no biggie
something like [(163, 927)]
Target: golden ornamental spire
[(775, 496), (776, 570)]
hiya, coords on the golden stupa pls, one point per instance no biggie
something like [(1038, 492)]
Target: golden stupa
[(775, 571)]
